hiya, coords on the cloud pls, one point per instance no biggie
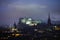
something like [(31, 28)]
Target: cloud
[(16, 10), (28, 8)]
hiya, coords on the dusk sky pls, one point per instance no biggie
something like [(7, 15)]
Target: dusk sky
[(12, 10)]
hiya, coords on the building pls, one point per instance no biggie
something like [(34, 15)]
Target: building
[(49, 20)]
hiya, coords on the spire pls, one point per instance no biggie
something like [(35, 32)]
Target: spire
[(49, 15), (49, 20)]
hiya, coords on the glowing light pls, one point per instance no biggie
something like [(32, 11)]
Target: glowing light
[(35, 24), (57, 28), (23, 20), (29, 19), (14, 29), (16, 35), (28, 22), (31, 24)]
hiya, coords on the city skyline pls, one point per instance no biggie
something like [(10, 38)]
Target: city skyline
[(12, 10)]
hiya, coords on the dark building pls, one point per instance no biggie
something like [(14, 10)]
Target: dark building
[(49, 20), (20, 24), (20, 21), (15, 26)]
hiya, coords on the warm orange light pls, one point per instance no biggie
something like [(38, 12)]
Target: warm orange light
[(16, 35), (57, 28)]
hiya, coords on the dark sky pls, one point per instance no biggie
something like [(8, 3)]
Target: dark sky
[(12, 10)]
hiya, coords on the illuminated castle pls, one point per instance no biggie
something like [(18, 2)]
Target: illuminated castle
[(29, 21)]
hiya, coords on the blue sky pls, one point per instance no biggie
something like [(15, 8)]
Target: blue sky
[(12, 10)]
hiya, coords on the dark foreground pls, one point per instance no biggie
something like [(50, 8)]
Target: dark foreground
[(35, 36)]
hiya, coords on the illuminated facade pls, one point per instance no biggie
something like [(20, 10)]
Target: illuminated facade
[(30, 22), (56, 27)]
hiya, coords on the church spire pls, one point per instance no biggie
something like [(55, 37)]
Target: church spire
[(49, 20)]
